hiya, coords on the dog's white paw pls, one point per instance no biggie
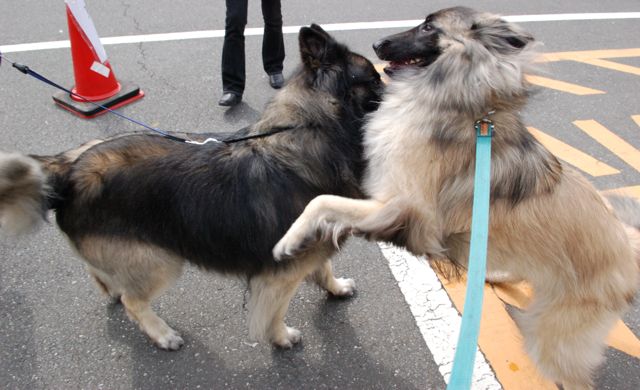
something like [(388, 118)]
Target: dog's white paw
[(344, 287), (290, 244), (289, 339), (170, 342)]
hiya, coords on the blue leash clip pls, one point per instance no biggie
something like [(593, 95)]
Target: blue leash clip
[(465, 354)]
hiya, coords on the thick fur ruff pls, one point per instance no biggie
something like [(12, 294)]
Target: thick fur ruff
[(135, 207), (548, 225)]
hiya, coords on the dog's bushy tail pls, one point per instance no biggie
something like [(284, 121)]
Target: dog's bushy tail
[(23, 193), (31, 185), (626, 208)]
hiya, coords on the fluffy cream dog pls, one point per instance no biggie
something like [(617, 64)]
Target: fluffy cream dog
[(548, 225)]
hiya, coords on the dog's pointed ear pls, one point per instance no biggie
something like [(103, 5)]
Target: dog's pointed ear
[(315, 46), (316, 27), (500, 35)]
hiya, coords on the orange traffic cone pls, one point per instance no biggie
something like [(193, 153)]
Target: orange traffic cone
[(95, 80)]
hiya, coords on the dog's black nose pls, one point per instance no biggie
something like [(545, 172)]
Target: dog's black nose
[(377, 46)]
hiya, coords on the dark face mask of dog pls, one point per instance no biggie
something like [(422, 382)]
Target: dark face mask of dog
[(365, 84), (415, 48), (333, 68)]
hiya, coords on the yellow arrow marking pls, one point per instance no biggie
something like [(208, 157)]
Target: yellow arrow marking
[(562, 86), (572, 155), (630, 191), (611, 141), (589, 54), (611, 65)]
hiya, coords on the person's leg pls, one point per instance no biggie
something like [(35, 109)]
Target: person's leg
[(272, 42), (233, 59)]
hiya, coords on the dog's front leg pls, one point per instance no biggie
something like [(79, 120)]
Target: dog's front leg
[(325, 217)]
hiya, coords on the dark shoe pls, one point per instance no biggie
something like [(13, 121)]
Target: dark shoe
[(276, 80), (229, 99)]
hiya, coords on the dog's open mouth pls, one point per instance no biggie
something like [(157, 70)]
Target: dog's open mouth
[(395, 66)]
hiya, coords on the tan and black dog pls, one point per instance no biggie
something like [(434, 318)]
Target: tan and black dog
[(137, 207)]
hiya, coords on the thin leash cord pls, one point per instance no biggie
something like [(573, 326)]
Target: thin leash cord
[(26, 70), (273, 131), (464, 359)]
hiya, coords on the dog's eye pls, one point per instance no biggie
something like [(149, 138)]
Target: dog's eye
[(427, 27)]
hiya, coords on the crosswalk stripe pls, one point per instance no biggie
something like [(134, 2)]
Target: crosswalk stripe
[(437, 320)]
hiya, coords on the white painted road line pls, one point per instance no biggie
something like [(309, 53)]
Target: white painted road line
[(437, 319), (177, 36)]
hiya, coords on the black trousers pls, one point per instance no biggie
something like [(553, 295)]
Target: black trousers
[(233, 58)]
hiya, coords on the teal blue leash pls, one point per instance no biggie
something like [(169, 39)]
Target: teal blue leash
[(465, 355)]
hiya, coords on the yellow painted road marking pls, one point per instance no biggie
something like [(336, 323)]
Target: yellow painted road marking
[(562, 86), (611, 141), (620, 337), (630, 191), (500, 341), (611, 65), (589, 54), (636, 118), (623, 339), (573, 156)]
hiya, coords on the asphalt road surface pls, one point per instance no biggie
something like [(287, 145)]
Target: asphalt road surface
[(58, 332)]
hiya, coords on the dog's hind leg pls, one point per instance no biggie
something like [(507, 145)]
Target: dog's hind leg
[(566, 339), (339, 287), (139, 310), (137, 273), (102, 284), (271, 293)]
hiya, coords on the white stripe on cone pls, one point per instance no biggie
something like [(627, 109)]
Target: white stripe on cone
[(79, 12)]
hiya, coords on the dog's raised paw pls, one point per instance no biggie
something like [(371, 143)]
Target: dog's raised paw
[(286, 248), (298, 237), (279, 253)]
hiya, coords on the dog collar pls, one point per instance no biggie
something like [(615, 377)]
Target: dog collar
[(484, 126)]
